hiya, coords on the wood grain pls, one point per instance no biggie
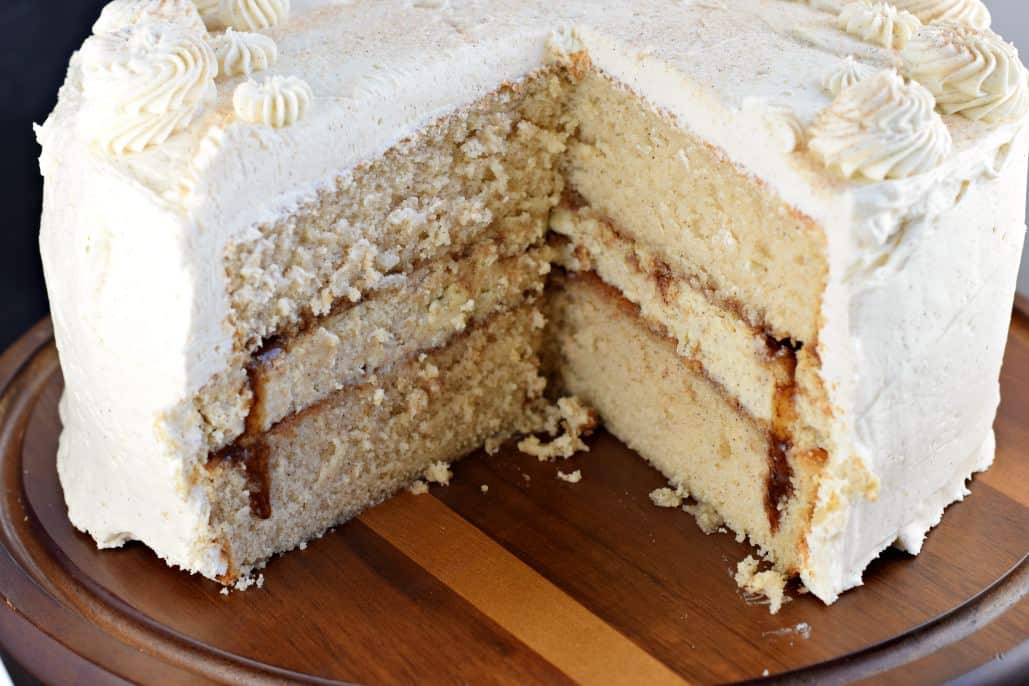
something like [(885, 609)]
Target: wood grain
[(533, 581)]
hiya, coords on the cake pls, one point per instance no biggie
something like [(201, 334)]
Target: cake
[(301, 255)]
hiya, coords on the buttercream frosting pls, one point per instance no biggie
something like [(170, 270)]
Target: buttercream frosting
[(971, 12), (277, 101), (881, 128), (121, 13), (243, 53), (971, 72), (254, 15), (143, 83), (878, 22), (847, 73)]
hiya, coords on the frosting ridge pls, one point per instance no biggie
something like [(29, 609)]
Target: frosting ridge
[(971, 12), (971, 72), (881, 128), (278, 101), (254, 15), (878, 22), (121, 13), (242, 52), (846, 74), (143, 83)]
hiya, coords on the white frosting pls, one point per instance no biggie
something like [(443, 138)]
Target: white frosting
[(254, 15), (971, 72), (211, 13), (881, 128), (846, 74), (971, 12), (143, 83), (243, 53), (879, 22), (121, 13), (920, 268), (277, 101)]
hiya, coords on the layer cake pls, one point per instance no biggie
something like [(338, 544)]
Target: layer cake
[(299, 252)]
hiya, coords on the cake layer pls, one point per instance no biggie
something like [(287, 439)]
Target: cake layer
[(682, 423), (702, 215), (421, 312), (324, 465), (750, 365), (488, 169), (408, 313)]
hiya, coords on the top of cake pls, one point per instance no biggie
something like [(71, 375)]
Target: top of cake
[(236, 125)]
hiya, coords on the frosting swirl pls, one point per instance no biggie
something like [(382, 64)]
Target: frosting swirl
[(971, 12), (143, 83), (121, 13), (240, 52), (278, 101), (881, 128), (971, 72), (254, 15), (849, 72), (874, 21)]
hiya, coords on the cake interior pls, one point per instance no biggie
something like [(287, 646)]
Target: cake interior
[(559, 236)]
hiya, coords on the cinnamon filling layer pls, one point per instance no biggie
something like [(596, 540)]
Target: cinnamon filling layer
[(779, 488)]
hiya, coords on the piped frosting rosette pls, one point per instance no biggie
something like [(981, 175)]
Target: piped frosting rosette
[(880, 128), (242, 52), (970, 71), (253, 15), (278, 101), (121, 13), (878, 22), (143, 83), (970, 12)]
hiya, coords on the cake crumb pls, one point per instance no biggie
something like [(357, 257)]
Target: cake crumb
[(438, 473), (225, 590), (492, 445), (665, 497), (802, 629), (770, 584), (418, 487), (484, 488), (303, 545), (247, 580), (574, 420), (764, 673), (572, 478), (740, 537), (707, 517)]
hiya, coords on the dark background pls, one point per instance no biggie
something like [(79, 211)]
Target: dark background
[(38, 37)]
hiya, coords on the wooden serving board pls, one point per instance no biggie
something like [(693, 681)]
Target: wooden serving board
[(533, 581)]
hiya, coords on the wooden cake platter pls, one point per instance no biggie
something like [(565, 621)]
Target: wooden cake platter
[(532, 581)]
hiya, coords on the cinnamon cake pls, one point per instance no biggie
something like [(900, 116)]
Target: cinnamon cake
[(299, 252)]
